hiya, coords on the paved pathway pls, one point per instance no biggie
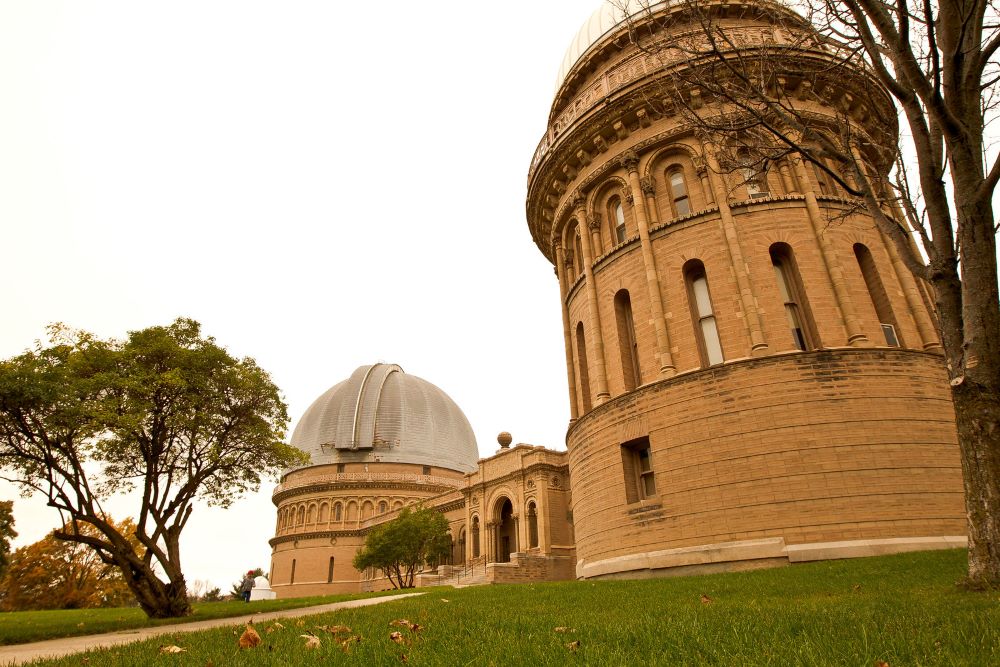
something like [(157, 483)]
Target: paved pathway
[(55, 648)]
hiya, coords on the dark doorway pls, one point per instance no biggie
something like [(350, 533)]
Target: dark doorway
[(506, 532)]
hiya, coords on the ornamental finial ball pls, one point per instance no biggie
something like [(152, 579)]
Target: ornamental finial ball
[(504, 439)]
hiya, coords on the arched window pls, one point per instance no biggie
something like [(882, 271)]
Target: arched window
[(797, 312), (383, 507), (702, 314), (879, 297), (338, 512), (311, 514), (626, 341), (581, 361), (754, 175), (578, 250), (679, 193), (827, 186), (302, 516), (618, 220), (367, 509), (322, 513), (475, 537), (532, 525)]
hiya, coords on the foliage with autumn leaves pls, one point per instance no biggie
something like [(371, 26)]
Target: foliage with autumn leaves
[(59, 574)]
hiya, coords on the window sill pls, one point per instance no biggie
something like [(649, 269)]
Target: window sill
[(645, 505)]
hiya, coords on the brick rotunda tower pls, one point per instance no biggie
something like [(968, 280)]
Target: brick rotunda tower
[(754, 376)]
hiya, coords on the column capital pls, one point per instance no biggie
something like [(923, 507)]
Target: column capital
[(578, 201), (647, 185), (594, 221), (629, 160)]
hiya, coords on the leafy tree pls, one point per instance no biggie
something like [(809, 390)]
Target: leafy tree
[(166, 412), (400, 546), (7, 533), (934, 64), (57, 574)]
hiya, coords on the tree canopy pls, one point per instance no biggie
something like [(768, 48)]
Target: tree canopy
[(398, 547), (7, 533), (167, 413), (57, 574)]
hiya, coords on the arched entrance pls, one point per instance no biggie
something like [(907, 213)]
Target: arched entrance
[(506, 531)]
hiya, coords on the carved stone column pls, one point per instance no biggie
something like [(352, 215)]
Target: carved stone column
[(786, 177), (748, 299), (666, 360), (706, 186), (517, 532), (567, 331), (925, 327), (855, 336), (649, 190), (596, 334), (594, 223)]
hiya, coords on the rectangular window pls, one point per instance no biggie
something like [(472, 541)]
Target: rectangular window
[(340, 468), (426, 470), (640, 482), (890, 335), (329, 573)]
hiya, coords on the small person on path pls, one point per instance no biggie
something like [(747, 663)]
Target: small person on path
[(246, 586)]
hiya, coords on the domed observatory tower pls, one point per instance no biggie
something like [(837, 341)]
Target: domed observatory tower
[(754, 376), (378, 441)]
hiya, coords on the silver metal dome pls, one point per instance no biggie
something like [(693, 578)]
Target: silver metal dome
[(382, 414), (603, 21)]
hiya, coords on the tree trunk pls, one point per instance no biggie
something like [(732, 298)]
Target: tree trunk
[(977, 415), (157, 599)]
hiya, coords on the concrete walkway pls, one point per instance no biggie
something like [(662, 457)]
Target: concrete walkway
[(56, 648)]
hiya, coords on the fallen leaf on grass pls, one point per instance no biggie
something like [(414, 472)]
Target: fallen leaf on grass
[(345, 644), (573, 646), (416, 627), (881, 663), (398, 637), (300, 623), (563, 628), (277, 626), (402, 657), (401, 622), (249, 638), (172, 649), (443, 600), (336, 629), (705, 599), (856, 588), (312, 641)]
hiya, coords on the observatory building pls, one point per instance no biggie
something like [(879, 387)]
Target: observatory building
[(754, 376)]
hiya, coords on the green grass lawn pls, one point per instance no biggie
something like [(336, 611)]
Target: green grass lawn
[(903, 609), (29, 626)]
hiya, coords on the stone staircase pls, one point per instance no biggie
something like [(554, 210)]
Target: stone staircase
[(473, 574)]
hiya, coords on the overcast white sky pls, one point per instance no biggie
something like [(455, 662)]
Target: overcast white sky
[(321, 184)]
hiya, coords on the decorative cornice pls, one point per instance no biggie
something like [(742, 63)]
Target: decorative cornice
[(381, 484), (562, 469)]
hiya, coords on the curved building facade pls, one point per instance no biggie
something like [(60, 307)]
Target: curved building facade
[(754, 376)]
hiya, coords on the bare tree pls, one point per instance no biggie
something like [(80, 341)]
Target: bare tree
[(827, 87)]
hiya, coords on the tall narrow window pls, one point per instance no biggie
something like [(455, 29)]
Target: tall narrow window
[(291, 579), (475, 537), (679, 194), (879, 297), (338, 512), (581, 362), (383, 507), (790, 290), (626, 341), (619, 218), (532, 526), (341, 467), (329, 572), (700, 300), (640, 482), (827, 186)]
